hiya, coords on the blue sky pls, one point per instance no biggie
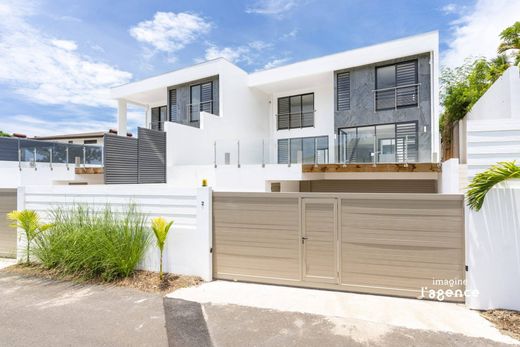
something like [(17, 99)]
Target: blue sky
[(59, 58)]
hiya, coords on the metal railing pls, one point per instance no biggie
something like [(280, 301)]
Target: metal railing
[(51, 153), (295, 120), (395, 97), (196, 108)]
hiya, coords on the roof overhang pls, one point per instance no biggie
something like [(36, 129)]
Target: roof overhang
[(295, 74)]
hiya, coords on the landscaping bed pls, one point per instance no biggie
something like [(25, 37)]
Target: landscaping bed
[(506, 321), (147, 281)]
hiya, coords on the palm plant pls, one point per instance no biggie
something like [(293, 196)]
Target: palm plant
[(510, 40), (484, 181), (160, 228), (29, 222)]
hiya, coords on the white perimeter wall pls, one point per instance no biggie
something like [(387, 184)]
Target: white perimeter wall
[(187, 250), (493, 249)]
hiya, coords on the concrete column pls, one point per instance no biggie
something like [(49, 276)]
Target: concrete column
[(121, 117), (148, 117)]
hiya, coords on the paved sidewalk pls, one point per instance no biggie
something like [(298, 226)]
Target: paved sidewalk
[(5, 262), (275, 315), (36, 312)]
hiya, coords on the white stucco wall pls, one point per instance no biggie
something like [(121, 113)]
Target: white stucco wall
[(493, 249), (449, 177), (189, 241)]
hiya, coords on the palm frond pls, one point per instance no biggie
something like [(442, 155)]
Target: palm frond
[(484, 181)]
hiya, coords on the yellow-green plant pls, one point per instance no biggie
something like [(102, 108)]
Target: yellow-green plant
[(29, 222), (160, 228), (484, 181)]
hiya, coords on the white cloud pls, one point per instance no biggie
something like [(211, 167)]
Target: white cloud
[(170, 32), (245, 53), (276, 62), (49, 70), (476, 32), (271, 7), (65, 44)]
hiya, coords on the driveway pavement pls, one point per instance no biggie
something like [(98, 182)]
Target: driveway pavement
[(238, 314), (35, 312)]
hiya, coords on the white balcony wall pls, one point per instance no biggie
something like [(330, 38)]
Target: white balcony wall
[(242, 117)]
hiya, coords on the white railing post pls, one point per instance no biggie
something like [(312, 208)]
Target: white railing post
[(238, 153), (215, 153), (375, 152), (34, 158), (263, 153), (19, 156), (50, 157), (67, 157)]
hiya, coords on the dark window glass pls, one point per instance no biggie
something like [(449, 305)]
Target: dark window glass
[(89, 142), (296, 111), (385, 77), (307, 150)]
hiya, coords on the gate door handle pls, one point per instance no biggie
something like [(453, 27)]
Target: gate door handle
[(303, 239)]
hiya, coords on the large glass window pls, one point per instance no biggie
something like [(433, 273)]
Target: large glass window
[(306, 150), (296, 111), (386, 143), (396, 85)]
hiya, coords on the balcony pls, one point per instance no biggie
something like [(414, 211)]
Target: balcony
[(396, 97), (188, 114), (37, 153)]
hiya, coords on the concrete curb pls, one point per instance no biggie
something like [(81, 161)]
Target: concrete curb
[(185, 324)]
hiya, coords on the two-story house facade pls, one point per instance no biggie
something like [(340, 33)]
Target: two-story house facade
[(349, 121)]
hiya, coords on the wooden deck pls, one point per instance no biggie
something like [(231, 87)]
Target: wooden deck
[(417, 167), (89, 170)]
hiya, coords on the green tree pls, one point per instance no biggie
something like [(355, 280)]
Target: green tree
[(160, 228), (29, 222), (3, 134), (510, 40)]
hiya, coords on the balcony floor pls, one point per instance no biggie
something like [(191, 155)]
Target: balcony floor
[(411, 167)]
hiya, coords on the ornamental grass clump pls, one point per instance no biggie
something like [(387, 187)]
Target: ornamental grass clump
[(484, 181), (90, 244)]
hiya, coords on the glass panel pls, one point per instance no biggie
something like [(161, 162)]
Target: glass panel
[(75, 154), (363, 146), (386, 143), (309, 150), (155, 118), (59, 153), (385, 77), (296, 109), (296, 150), (195, 103), (308, 110), (348, 142), (322, 152), (93, 155), (283, 151)]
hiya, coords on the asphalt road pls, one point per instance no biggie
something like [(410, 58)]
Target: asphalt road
[(35, 312)]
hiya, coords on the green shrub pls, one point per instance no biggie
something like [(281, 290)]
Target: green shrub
[(88, 244), (484, 181)]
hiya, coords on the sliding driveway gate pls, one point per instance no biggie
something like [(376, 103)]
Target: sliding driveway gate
[(392, 244)]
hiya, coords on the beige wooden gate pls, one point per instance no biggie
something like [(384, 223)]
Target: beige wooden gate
[(7, 234), (392, 244)]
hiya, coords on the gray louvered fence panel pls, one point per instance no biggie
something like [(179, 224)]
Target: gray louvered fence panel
[(120, 159), (8, 149), (151, 156)]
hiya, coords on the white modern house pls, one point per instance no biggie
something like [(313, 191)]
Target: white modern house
[(360, 120)]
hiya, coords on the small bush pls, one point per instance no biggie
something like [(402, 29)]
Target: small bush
[(89, 244)]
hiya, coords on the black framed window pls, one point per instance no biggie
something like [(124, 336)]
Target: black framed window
[(384, 143), (343, 91), (306, 150), (397, 85), (89, 142), (201, 99), (296, 111), (158, 117), (172, 104)]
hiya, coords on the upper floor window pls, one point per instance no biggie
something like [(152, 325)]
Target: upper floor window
[(172, 103), (296, 111), (396, 86), (343, 91), (158, 118), (201, 99)]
